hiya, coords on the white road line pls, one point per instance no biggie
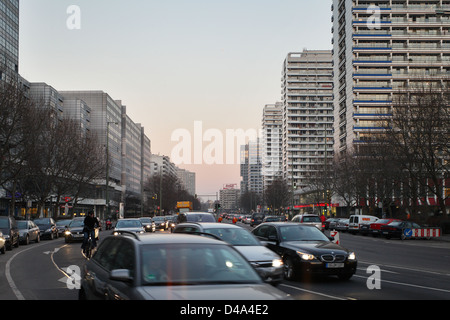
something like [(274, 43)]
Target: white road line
[(312, 292), (10, 280), (405, 268)]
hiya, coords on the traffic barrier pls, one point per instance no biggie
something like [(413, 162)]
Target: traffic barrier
[(335, 234), (426, 233)]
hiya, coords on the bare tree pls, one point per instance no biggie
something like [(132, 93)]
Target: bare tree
[(277, 194)]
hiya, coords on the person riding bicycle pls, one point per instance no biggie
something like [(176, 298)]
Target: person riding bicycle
[(90, 223)]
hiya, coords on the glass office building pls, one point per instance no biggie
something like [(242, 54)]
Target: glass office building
[(9, 39)]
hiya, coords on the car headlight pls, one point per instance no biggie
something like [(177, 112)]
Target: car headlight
[(276, 263), (306, 256), (67, 233), (116, 233), (351, 256)]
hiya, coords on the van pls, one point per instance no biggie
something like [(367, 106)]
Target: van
[(356, 221)]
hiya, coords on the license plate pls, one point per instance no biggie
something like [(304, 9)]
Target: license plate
[(78, 235), (334, 265)]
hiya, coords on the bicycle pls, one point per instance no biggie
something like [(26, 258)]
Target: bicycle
[(87, 253)]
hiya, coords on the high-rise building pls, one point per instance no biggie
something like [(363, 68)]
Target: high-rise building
[(380, 48), (271, 142), (187, 180), (251, 168), (307, 121), (9, 39)]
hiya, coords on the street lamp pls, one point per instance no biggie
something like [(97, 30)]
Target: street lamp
[(107, 167)]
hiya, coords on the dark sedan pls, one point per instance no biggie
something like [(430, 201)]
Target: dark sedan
[(47, 227), (306, 251), (396, 229)]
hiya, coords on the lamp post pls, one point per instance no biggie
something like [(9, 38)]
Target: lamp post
[(107, 168)]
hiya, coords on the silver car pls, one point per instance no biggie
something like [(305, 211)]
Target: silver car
[(130, 225), (310, 219), (266, 262), (171, 267), (28, 231)]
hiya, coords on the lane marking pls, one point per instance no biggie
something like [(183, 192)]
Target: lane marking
[(313, 292), (405, 268)]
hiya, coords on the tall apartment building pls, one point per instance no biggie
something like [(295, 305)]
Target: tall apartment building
[(271, 143), (251, 168), (307, 121), (229, 198), (187, 180), (379, 48), (9, 39)]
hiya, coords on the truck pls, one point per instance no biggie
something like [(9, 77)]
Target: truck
[(184, 206)]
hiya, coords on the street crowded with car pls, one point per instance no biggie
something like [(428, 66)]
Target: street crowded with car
[(203, 262)]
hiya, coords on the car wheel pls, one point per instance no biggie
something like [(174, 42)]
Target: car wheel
[(17, 243), (289, 271), (27, 241), (2, 250), (38, 238)]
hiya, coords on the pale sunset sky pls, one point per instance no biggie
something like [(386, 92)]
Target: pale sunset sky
[(175, 63)]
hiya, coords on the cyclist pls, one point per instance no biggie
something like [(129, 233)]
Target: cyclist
[(90, 223)]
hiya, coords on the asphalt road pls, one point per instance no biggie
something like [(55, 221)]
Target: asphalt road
[(408, 270)]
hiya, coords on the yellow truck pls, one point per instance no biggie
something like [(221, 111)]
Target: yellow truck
[(184, 206)]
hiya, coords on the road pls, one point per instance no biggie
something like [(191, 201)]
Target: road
[(408, 270)]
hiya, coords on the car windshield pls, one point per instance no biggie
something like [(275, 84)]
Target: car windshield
[(42, 222), (301, 233), (194, 217), (395, 223), (128, 224), (146, 220), (234, 236), (62, 223), (76, 223), (4, 223), (194, 264), (382, 221), (22, 225), (159, 219), (311, 219)]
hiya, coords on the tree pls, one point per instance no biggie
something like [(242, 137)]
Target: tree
[(277, 194)]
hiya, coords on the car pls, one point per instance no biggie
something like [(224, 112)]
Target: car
[(396, 229), (160, 222), (375, 227), (196, 217), (47, 227), (8, 226), (306, 251), (171, 267), (247, 219), (128, 225), (172, 222), (148, 224), (2, 243), (256, 219), (356, 221), (61, 226), (310, 219), (267, 263), (74, 230), (274, 218), (28, 231), (342, 225), (330, 223)]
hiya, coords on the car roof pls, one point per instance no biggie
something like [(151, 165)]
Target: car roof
[(212, 225), (287, 223), (173, 238)]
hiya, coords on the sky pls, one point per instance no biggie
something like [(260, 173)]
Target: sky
[(187, 71)]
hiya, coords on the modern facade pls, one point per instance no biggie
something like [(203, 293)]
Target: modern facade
[(307, 116), (187, 180), (380, 48), (47, 97), (271, 143), (251, 168), (229, 198), (9, 39)]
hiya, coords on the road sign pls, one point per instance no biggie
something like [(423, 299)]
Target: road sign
[(407, 233), (335, 234)]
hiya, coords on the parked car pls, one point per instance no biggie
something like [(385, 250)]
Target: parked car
[(310, 219), (306, 251), (257, 218), (61, 226), (396, 229), (357, 221), (8, 226), (2, 243), (342, 225), (171, 266), (267, 263), (47, 227), (375, 228), (129, 225), (148, 224), (74, 230), (330, 223), (28, 231), (196, 217)]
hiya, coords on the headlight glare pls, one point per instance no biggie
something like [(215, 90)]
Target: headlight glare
[(306, 256)]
